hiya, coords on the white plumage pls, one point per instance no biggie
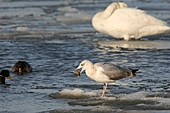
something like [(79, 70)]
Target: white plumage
[(119, 21), (105, 73)]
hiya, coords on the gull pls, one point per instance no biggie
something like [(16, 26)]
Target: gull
[(120, 21), (104, 72)]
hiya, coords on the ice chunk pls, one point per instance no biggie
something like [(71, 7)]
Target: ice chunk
[(22, 29), (135, 44), (72, 17), (21, 12), (75, 93), (134, 96), (67, 9), (150, 96)]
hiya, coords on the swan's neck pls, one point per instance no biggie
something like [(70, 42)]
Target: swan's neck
[(111, 8), (107, 13)]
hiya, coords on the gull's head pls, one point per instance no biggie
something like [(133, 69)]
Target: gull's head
[(83, 66)]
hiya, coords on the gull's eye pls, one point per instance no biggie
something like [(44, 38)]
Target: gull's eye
[(82, 64)]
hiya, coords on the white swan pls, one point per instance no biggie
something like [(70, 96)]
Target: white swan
[(119, 21)]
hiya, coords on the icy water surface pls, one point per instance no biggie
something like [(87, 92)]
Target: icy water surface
[(55, 36)]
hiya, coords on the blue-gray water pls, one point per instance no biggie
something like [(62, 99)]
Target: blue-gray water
[(55, 36)]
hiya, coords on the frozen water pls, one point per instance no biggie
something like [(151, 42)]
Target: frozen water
[(135, 44), (75, 17), (54, 36), (67, 9), (22, 29), (72, 94), (139, 99), (21, 12)]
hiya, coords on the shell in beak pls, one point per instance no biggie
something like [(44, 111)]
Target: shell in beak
[(76, 72)]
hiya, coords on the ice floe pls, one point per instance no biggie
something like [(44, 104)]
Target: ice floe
[(75, 17), (67, 9), (141, 99)]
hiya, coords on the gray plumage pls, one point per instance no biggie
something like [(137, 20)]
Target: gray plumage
[(104, 72), (115, 72)]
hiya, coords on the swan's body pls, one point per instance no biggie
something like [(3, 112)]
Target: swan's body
[(119, 21), (105, 73)]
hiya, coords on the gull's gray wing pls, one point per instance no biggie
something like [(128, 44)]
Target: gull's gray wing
[(112, 71)]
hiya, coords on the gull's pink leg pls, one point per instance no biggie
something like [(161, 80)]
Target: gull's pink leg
[(104, 89)]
